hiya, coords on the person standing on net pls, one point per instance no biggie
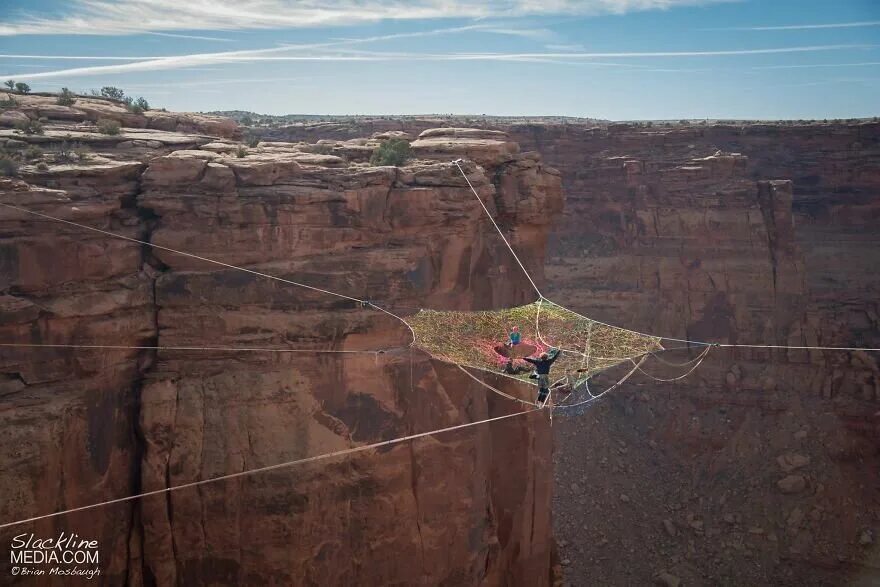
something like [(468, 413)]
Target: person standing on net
[(542, 369)]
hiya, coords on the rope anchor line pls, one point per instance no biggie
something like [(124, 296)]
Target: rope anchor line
[(362, 303), (274, 467)]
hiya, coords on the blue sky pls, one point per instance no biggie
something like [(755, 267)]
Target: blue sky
[(617, 59)]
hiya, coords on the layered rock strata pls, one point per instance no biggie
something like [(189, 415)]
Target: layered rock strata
[(82, 426), (741, 233)]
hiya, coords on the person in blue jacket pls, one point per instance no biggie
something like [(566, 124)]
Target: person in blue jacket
[(513, 339)]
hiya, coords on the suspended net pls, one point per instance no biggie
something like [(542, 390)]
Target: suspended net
[(477, 340)]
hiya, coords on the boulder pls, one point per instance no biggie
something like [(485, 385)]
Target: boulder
[(57, 112), (463, 133), (666, 579), (791, 461), (486, 148), (178, 167), (792, 484), (12, 117)]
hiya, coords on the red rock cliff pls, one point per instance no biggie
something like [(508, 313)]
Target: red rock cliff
[(82, 426), (762, 465)]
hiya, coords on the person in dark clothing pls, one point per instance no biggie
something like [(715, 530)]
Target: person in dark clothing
[(542, 369)]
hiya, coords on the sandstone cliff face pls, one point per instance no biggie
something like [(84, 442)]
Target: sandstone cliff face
[(81, 426), (677, 232), (737, 233)]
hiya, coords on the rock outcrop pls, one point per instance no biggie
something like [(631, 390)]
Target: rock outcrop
[(87, 425), (89, 109)]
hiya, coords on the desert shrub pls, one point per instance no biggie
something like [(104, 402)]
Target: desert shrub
[(41, 166), (392, 152), (81, 154), (107, 126), (71, 152), (241, 152), (22, 87), (65, 153), (8, 167), (113, 93), (136, 106), (33, 153), (250, 138), (9, 102), (29, 127), (326, 150), (66, 98)]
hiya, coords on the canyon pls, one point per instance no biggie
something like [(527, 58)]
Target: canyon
[(759, 467), (81, 426)]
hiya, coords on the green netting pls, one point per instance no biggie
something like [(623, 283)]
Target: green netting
[(471, 338)]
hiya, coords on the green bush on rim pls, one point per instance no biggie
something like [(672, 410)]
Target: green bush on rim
[(392, 152)]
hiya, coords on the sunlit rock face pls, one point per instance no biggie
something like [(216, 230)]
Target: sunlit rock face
[(87, 425)]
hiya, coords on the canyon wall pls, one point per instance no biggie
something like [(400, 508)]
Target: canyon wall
[(83, 425), (761, 466)]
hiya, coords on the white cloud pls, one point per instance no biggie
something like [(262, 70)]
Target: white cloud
[(565, 47), (193, 37), (76, 57), (819, 65), (276, 54), (828, 82), (215, 82), (795, 27), (121, 17)]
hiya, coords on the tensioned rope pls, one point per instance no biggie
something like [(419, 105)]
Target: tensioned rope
[(656, 355), (699, 360), (207, 260), (593, 398), (786, 347), (457, 163), (493, 389), (541, 297), (585, 359), (265, 469)]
